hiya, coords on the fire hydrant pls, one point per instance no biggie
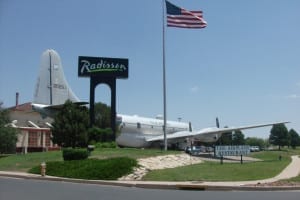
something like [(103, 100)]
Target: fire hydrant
[(43, 168)]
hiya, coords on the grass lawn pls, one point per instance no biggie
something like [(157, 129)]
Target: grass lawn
[(24, 162), (207, 171), (214, 171)]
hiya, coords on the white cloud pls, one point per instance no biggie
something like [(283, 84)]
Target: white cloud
[(293, 96), (194, 89)]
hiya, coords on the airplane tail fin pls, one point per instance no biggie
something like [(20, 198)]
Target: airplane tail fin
[(51, 86)]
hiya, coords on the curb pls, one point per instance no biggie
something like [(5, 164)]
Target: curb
[(153, 185)]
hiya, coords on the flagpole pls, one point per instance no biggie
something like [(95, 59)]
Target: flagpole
[(164, 79)]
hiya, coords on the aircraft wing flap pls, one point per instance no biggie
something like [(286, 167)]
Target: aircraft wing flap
[(176, 135), (249, 127), (208, 131), (59, 106)]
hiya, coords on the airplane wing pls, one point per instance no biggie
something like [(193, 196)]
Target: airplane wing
[(56, 107), (50, 110), (208, 134), (59, 106)]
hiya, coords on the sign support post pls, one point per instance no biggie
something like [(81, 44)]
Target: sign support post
[(233, 150), (103, 70)]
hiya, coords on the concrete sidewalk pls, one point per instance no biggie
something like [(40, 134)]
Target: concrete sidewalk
[(292, 170)]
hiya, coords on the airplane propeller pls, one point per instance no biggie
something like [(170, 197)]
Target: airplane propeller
[(190, 127), (217, 123)]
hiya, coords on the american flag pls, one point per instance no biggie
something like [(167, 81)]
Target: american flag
[(179, 17)]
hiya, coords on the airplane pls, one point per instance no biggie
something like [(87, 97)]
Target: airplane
[(52, 90), (141, 132)]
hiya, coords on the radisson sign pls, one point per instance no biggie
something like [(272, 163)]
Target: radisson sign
[(103, 70), (102, 67)]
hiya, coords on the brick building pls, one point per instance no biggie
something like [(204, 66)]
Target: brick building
[(34, 131)]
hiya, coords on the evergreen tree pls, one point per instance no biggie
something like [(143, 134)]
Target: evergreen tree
[(295, 139), (4, 117), (101, 131), (70, 126), (279, 135), (254, 141), (225, 139), (8, 135), (96, 134), (102, 115), (238, 138)]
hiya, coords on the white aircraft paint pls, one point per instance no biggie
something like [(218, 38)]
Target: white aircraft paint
[(52, 90)]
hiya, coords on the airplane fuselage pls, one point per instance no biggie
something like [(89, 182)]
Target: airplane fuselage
[(135, 130)]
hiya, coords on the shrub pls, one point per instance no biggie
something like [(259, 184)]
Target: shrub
[(106, 145), (93, 169), (96, 134), (75, 154)]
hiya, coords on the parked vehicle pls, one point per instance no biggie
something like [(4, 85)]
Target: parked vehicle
[(254, 148), (195, 150)]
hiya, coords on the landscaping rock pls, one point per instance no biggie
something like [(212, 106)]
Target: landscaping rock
[(160, 162)]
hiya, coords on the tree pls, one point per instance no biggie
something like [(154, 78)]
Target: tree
[(8, 138), (225, 139), (102, 115), (8, 135), (4, 117), (254, 141), (295, 138), (96, 134), (70, 126), (279, 135), (238, 138), (101, 131)]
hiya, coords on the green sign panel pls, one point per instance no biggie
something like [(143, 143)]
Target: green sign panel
[(102, 67)]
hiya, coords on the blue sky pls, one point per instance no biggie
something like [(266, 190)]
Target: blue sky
[(243, 67)]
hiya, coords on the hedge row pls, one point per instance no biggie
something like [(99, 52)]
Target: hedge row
[(75, 154), (92, 169)]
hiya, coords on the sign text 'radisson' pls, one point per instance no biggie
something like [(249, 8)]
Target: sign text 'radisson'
[(105, 67)]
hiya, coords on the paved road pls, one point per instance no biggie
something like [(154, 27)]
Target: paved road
[(16, 189)]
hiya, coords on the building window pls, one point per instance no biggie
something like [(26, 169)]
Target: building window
[(47, 139), (32, 139), (41, 139)]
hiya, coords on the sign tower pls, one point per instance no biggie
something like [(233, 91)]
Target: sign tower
[(103, 70)]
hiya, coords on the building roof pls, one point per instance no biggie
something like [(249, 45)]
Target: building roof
[(23, 116), (22, 107)]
